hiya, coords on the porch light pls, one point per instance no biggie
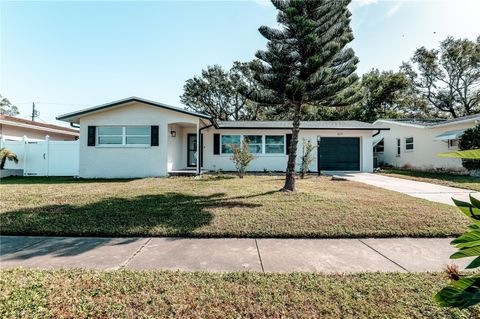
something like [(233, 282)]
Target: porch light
[(173, 133)]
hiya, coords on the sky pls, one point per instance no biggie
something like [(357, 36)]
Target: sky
[(66, 55)]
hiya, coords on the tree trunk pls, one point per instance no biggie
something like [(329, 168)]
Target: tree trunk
[(292, 152), (2, 163)]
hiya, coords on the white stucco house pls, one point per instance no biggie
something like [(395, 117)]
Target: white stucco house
[(416, 143), (135, 137)]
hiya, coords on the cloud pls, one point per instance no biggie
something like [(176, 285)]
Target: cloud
[(362, 3), (393, 9), (263, 3)]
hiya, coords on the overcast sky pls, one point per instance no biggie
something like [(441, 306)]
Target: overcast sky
[(67, 55)]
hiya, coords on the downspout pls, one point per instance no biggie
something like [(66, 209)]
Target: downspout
[(74, 125), (378, 132)]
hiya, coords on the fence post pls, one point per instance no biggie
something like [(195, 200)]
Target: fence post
[(47, 156), (25, 154)]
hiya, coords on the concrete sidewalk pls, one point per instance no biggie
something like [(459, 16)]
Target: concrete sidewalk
[(432, 192), (263, 255)]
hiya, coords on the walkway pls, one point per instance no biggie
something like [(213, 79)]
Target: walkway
[(267, 255), (432, 192)]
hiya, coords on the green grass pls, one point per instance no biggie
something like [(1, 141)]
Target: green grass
[(218, 206), (128, 294), (453, 180)]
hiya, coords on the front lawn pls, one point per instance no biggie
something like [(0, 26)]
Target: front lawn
[(128, 294), (218, 206), (460, 181)]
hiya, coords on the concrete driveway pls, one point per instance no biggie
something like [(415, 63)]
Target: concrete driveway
[(432, 192)]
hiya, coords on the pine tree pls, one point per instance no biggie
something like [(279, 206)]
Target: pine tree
[(306, 62)]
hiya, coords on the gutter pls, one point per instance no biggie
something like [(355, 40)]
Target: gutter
[(74, 126)]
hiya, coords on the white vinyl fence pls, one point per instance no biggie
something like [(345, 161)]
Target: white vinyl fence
[(44, 158)]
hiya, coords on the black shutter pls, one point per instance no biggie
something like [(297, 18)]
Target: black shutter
[(216, 144), (154, 135), (287, 143), (91, 135), (200, 152)]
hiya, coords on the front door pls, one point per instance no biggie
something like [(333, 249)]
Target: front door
[(192, 150)]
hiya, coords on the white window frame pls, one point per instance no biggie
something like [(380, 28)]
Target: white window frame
[(124, 136), (265, 145), (413, 144), (375, 148), (264, 138)]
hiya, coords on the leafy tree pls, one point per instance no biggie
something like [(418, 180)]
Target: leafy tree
[(307, 157), (306, 62), (241, 157), (449, 78), (470, 140), (7, 108), (223, 94), (6, 154)]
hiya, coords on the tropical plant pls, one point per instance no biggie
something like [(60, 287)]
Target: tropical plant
[(241, 157), (307, 157), (6, 154), (307, 62), (464, 289), (470, 140)]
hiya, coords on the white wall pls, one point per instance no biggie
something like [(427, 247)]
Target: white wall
[(424, 155), (278, 162), (125, 162)]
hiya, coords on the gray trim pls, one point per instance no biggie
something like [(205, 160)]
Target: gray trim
[(129, 100)]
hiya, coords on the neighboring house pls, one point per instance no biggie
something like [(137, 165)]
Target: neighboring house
[(139, 138), (416, 143), (14, 129)]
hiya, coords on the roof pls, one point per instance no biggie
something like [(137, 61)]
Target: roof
[(305, 125), (73, 116), (449, 135), (432, 122), (15, 121)]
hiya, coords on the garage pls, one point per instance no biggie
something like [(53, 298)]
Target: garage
[(339, 153)]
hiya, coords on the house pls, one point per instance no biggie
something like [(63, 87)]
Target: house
[(135, 137), (416, 143), (14, 129)]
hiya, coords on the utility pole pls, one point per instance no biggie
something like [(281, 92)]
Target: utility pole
[(35, 112)]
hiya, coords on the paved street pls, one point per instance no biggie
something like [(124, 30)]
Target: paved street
[(268, 255)]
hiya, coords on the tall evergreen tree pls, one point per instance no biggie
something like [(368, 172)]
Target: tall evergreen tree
[(307, 62)]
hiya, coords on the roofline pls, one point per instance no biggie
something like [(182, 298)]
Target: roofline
[(305, 128), (128, 100), (58, 130), (440, 124)]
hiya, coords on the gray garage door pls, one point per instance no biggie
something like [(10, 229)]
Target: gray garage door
[(339, 154)]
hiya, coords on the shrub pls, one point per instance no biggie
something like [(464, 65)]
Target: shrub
[(307, 157), (470, 140), (6, 154), (241, 157)]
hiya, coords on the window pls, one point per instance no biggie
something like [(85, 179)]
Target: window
[(124, 135), (227, 141), (110, 135), (452, 143), (137, 135), (380, 147), (255, 143), (409, 144), (399, 148), (274, 144)]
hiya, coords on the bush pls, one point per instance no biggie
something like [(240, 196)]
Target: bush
[(470, 140), (241, 157), (307, 157)]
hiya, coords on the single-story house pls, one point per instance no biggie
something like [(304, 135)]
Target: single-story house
[(135, 137), (15, 129), (416, 143)]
